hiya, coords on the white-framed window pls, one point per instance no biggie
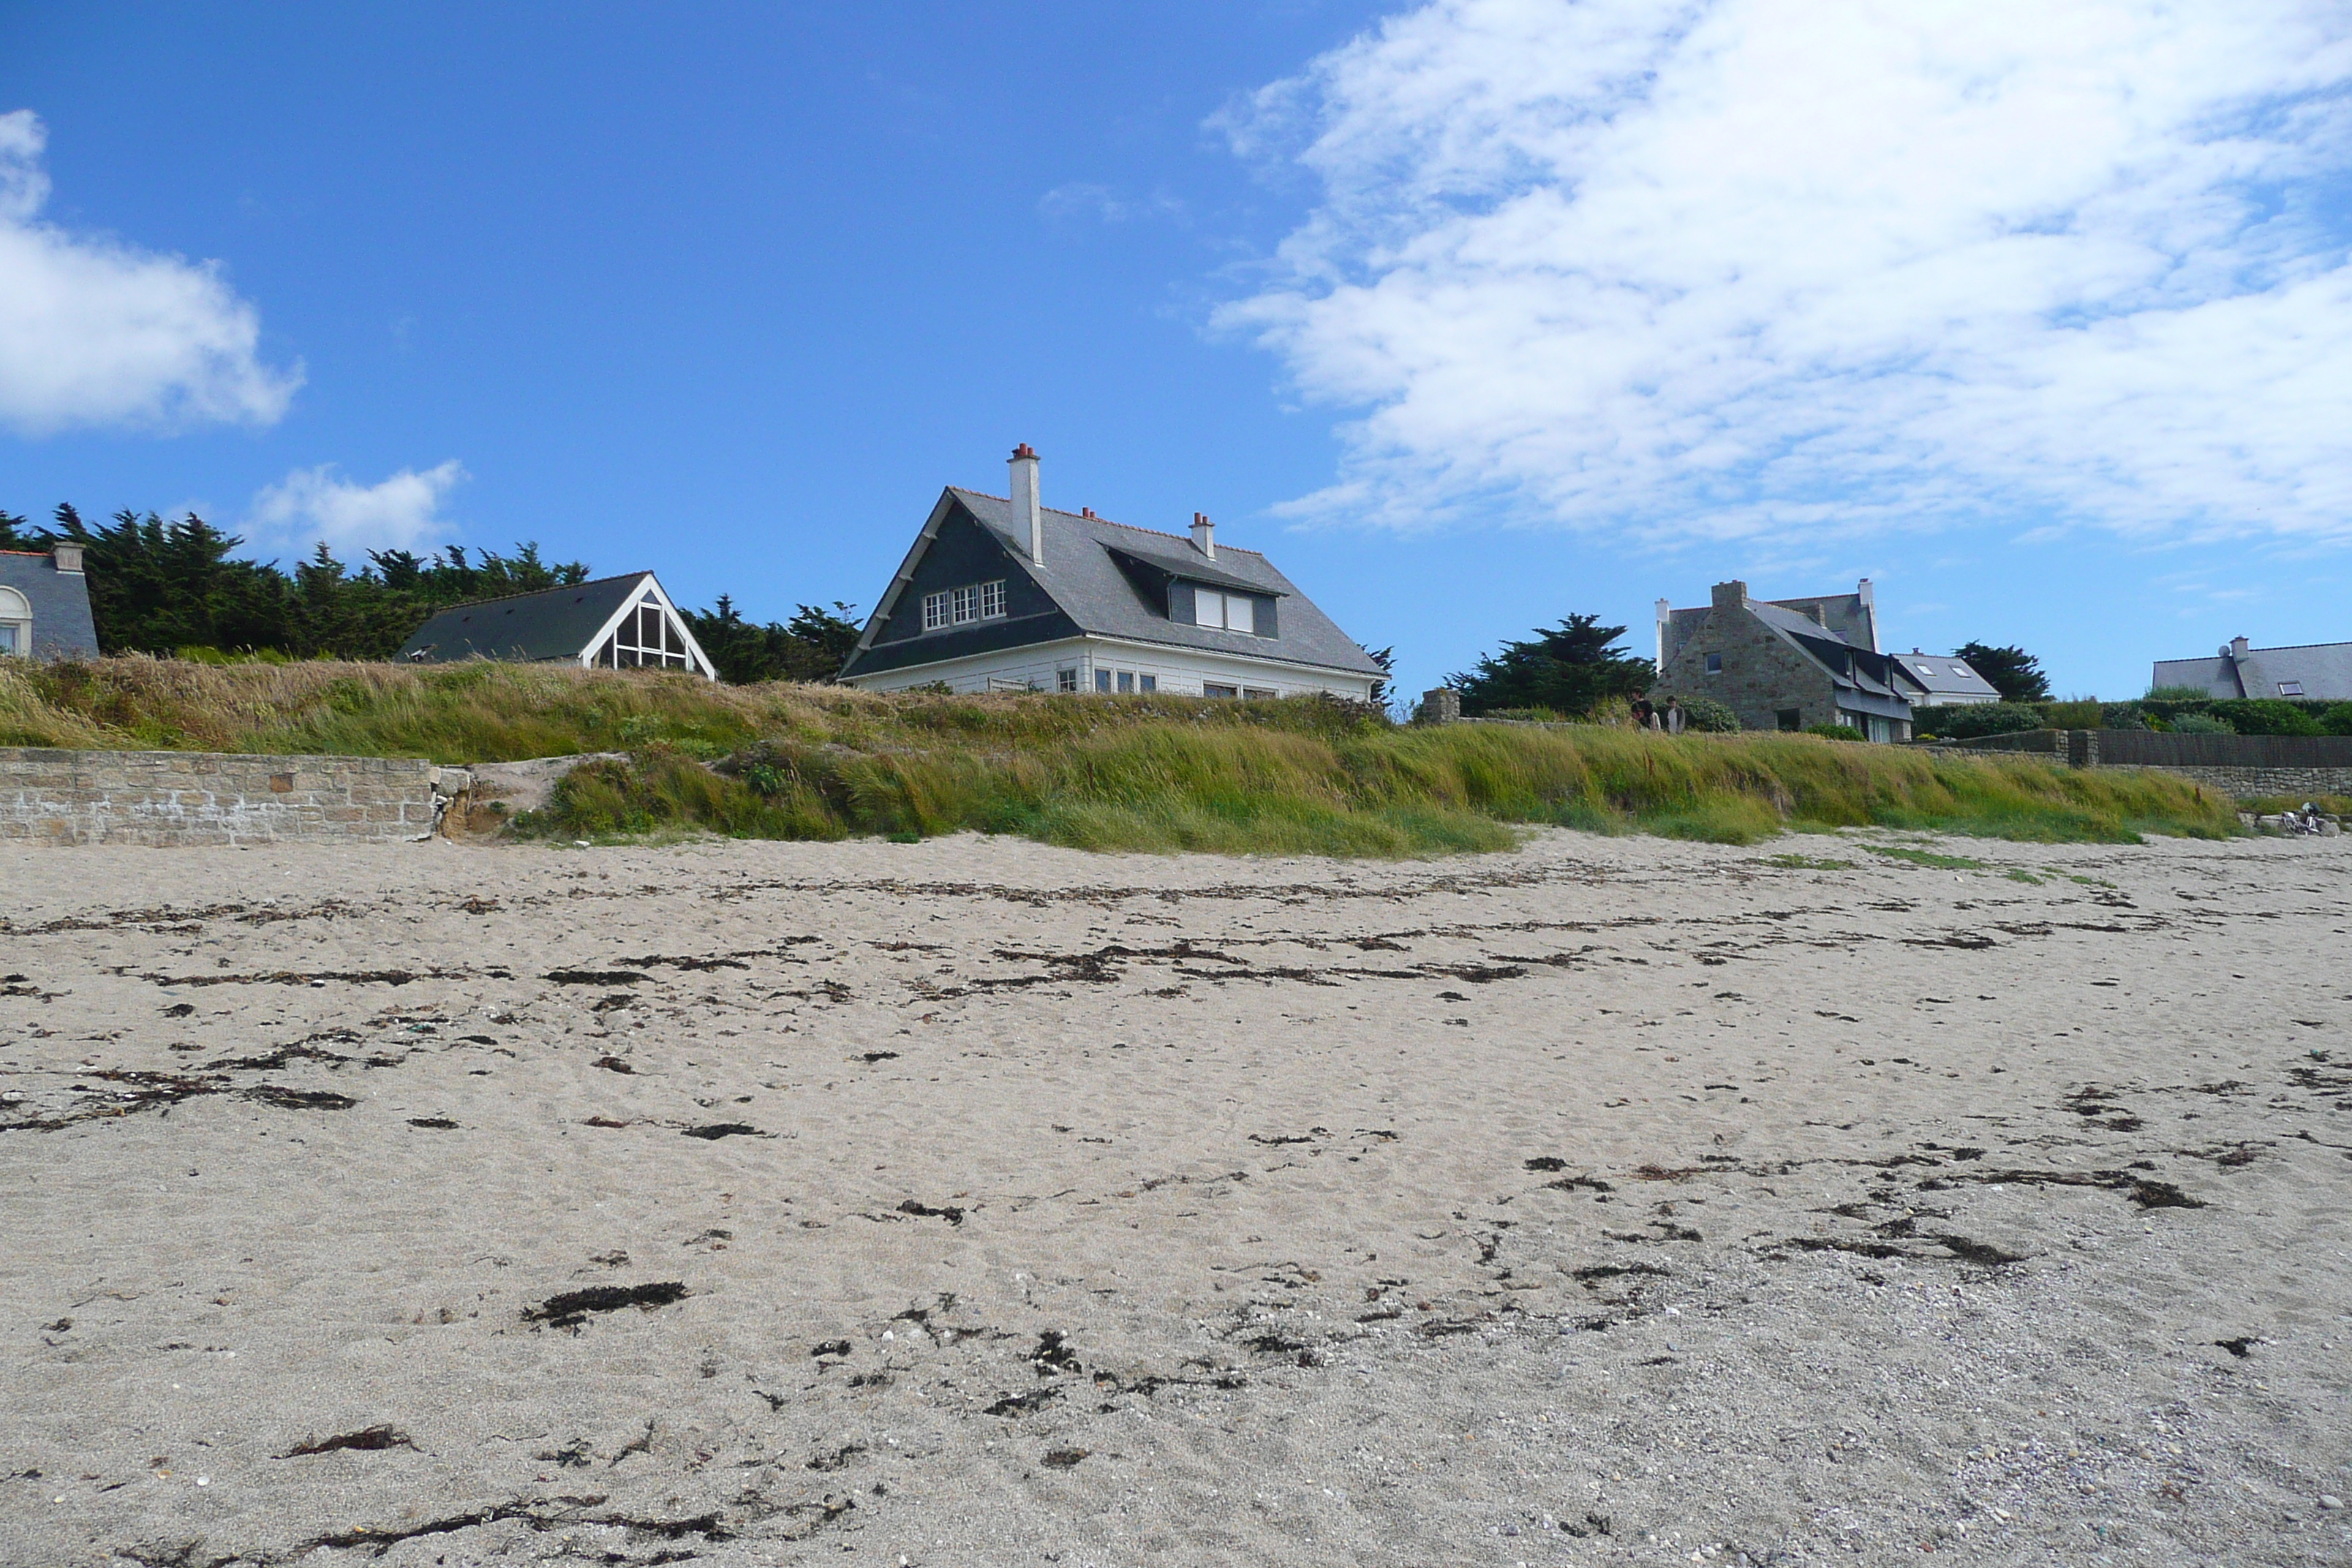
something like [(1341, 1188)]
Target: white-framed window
[(646, 639), (1715, 664), (1230, 611), (961, 607), (16, 622), (1259, 693), (1102, 680), (2290, 687), (1065, 680), (1211, 689), (1147, 682), (1126, 681)]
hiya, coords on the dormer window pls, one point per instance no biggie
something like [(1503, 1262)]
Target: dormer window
[(961, 607), (2290, 687), (16, 623), (1229, 612)]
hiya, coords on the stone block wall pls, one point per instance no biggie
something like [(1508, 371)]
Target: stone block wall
[(2240, 780), (168, 798)]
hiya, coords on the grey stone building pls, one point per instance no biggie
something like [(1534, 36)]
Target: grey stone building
[(1786, 664)]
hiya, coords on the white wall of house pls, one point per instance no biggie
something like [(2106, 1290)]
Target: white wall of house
[(1182, 672)]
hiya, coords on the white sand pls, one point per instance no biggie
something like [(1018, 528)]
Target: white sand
[(1333, 1214)]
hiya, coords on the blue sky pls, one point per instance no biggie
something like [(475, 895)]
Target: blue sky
[(1471, 313)]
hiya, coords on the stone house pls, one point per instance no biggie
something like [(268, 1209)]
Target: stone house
[(1786, 664), (1007, 595)]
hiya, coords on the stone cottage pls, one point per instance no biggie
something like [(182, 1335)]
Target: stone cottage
[(1785, 664)]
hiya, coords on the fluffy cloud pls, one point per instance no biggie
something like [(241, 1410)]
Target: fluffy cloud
[(96, 332), (1721, 267), (311, 505)]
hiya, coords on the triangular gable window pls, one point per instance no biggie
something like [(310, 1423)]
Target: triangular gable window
[(647, 638)]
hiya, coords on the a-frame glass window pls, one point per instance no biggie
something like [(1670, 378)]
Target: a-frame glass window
[(647, 638)]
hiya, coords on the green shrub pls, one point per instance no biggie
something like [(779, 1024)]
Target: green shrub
[(2266, 716), (2082, 713), (2201, 724), (2177, 694), (1525, 715), (1708, 717), (1835, 732), (1975, 719), (2337, 721)]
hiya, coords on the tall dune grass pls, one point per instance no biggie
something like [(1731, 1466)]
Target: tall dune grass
[(1155, 773)]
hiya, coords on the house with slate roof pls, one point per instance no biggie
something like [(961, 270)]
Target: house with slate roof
[(45, 605), (614, 623), (2322, 671), (1943, 681), (1787, 664), (1007, 595)]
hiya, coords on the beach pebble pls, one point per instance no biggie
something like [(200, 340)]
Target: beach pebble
[(2330, 1501)]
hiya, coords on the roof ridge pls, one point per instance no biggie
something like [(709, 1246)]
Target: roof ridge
[(1131, 527), (2281, 647), (535, 593)]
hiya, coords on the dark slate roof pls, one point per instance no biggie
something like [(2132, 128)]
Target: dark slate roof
[(1850, 667), (1942, 677), (554, 624), (1082, 574), (60, 601)]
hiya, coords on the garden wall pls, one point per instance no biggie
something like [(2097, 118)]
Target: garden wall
[(168, 798), (2247, 767)]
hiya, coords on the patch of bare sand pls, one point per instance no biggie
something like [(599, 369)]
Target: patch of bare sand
[(971, 1202)]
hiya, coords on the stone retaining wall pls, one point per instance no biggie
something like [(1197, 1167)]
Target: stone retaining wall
[(2240, 780), (198, 797)]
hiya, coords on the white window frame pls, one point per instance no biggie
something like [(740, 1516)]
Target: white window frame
[(992, 600), (2290, 687), (1065, 680), (935, 612), (16, 619)]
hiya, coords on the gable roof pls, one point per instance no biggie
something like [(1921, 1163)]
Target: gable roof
[(553, 624), (59, 601), (2324, 671), (1084, 577)]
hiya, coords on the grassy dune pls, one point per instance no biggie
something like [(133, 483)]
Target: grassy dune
[(1106, 773)]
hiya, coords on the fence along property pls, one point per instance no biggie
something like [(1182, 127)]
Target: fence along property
[(2246, 766)]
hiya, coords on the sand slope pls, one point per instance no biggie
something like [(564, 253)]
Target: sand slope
[(976, 1203)]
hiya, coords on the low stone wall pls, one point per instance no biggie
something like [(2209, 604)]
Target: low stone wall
[(198, 797), (2304, 765), (2257, 784)]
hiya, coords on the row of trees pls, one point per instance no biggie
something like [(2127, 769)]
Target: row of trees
[(159, 587), (1573, 667)]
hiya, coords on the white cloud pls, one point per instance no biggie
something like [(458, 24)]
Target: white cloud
[(1723, 267), (311, 505), (93, 331)]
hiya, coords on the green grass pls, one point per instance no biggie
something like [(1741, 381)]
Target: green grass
[(1158, 773), (1927, 857), (1807, 863)]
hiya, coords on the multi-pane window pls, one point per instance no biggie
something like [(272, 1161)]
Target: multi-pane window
[(16, 622), (1232, 612), (961, 607), (646, 639), (1065, 680)]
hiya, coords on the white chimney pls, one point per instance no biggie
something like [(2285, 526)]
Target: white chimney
[(67, 554), (1204, 535), (1665, 612), (1025, 510)]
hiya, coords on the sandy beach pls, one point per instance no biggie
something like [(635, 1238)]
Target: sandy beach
[(1612, 1201)]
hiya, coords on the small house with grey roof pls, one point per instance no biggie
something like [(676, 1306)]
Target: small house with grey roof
[(1787, 664), (2321, 671), (45, 605), (614, 623), (1004, 594)]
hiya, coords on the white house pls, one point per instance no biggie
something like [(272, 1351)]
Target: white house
[(1003, 595)]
